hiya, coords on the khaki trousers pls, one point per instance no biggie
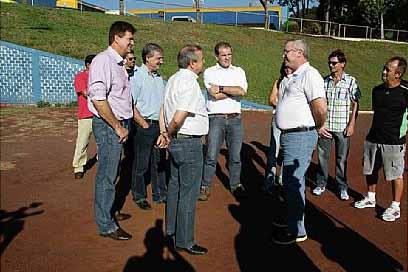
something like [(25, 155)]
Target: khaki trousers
[(80, 155)]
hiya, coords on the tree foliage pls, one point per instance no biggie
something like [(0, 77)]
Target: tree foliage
[(366, 12), (299, 8)]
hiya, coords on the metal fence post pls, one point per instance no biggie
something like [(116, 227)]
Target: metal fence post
[(301, 25), (236, 18), (397, 34), (329, 29), (339, 31)]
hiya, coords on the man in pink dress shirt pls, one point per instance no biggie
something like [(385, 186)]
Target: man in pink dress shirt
[(110, 101)]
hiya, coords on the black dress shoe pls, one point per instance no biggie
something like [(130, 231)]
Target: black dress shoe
[(240, 192), (170, 241), (122, 216), (118, 234), (144, 205), (194, 250), (78, 175)]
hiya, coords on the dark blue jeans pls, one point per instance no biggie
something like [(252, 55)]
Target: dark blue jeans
[(184, 187), (231, 130), (109, 152), (145, 154)]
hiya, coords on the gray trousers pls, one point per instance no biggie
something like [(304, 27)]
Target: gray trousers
[(341, 144)]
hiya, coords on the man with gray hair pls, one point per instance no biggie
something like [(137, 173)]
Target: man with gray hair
[(299, 114), (148, 93), (185, 124)]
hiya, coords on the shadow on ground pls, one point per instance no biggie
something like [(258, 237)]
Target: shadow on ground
[(253, 246), (160, 254), (12, 223)]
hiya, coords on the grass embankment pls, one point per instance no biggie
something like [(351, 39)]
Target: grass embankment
[(75, 34)]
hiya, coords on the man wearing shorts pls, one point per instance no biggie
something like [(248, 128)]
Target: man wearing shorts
[(385, 142)]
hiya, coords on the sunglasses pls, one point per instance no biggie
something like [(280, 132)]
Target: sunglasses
[(131, 59), (333, 63)]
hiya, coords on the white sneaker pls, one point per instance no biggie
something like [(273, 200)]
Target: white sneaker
[(365, 203), (344, 195), (391, 214), (319, 190)]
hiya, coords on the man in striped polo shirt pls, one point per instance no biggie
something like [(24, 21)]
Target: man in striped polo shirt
[(341, 92)]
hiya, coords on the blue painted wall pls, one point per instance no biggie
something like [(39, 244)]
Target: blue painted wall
[(28, 76), (223, 17), (44, 3)]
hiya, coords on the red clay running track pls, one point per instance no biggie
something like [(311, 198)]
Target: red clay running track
[(47, 221)]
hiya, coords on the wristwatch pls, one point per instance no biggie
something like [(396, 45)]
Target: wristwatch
[(221, 88)]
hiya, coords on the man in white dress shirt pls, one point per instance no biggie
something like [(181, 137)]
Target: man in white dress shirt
[(185, 124), (299, 113), (226, 84)]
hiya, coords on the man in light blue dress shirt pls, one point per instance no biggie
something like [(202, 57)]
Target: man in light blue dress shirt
[(147, 87)]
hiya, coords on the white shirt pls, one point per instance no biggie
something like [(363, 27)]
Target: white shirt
[(282, 86), (293, 110), (231, 76), (183, 93)]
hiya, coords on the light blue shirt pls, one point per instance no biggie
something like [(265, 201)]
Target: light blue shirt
[(147, 92)]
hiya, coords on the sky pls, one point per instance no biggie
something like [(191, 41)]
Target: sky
[(154, 4)]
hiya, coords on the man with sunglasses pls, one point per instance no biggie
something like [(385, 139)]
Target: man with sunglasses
[(130, 63), (341, 92)]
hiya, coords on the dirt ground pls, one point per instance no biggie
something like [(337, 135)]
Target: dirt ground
[(47, 221)]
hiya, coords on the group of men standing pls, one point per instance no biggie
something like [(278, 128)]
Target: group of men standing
[(175, 115), (135, 109), (314, 111)]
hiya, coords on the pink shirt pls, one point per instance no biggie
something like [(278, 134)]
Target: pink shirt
[(81, 86), (108, 80)]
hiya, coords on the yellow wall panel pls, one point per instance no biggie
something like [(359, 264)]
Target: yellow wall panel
[(67, 4)]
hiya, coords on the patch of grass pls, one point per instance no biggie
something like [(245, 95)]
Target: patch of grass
[(42, 104), (76, 34)]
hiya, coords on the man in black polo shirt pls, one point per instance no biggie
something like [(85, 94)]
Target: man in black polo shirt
[(385, 142)]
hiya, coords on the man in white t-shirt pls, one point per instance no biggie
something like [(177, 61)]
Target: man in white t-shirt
[(225, 84), (299, 113), (185, 124)]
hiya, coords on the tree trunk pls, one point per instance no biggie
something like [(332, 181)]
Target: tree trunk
[(327, 18), (264, 3)]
